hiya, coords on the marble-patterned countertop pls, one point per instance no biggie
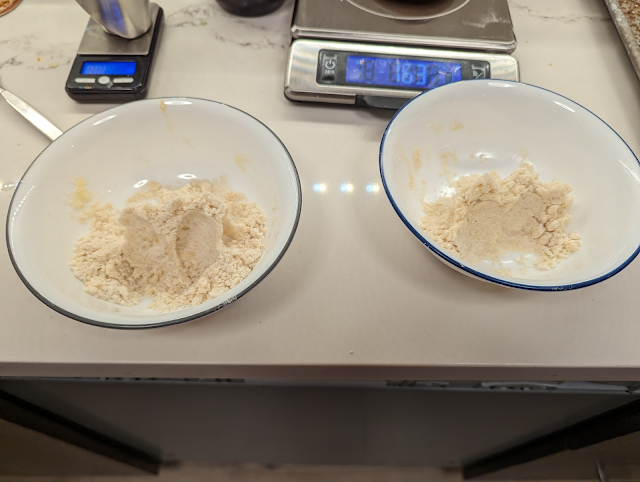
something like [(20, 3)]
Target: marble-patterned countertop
[(356, 296)]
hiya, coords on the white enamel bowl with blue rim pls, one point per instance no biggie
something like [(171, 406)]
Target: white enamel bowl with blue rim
[(479, 126), (170, 141)]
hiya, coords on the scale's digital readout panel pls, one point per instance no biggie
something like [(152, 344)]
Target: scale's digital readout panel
[(108, 68), (382, 76), (415, 74), (102, 78), (348, 68)]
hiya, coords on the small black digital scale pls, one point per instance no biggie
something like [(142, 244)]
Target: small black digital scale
[(109, 68)]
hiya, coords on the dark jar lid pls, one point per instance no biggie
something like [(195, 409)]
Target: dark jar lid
[(250, 8)]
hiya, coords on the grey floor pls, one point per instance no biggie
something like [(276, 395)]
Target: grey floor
[(193, 472)]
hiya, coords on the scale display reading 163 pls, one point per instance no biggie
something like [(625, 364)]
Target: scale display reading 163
[(405, 73)]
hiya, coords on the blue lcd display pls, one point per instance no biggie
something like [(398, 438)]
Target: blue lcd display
[(108, 68), (418, 74)]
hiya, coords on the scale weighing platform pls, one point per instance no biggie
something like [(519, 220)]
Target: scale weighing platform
[(382, 53)]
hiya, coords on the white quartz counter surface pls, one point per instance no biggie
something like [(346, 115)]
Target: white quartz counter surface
[(356, 296)]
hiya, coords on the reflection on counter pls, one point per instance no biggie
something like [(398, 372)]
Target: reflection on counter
[(320, 187), (346, 187)]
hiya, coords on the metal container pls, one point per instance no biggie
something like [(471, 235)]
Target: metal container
[(628, 33), (125, 18)]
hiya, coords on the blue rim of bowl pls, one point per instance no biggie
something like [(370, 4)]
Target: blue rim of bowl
[(177, 321), (465, 268)]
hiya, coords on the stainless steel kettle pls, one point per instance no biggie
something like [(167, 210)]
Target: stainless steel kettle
[(125, 18)]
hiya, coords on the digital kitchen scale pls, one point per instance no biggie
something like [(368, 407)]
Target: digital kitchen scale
[(381, 53), (109, 68)]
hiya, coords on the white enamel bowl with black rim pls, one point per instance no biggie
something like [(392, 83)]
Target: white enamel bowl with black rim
[(479, 126), (170, 141)]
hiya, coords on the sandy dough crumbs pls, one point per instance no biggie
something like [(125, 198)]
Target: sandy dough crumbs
[(489, 216), (180, 247)]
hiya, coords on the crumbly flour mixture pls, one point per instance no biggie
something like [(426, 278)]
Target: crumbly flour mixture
[(180, 247), (489, 216)]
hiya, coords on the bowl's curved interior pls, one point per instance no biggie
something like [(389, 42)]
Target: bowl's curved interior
[(478, 126), (170, 141)]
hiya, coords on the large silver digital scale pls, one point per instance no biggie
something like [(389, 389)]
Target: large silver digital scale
[(381, 53)]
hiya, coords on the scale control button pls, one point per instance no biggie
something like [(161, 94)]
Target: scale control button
[(104, 80), (123, 80), (85, 80), (328, 66), (480, 71)]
